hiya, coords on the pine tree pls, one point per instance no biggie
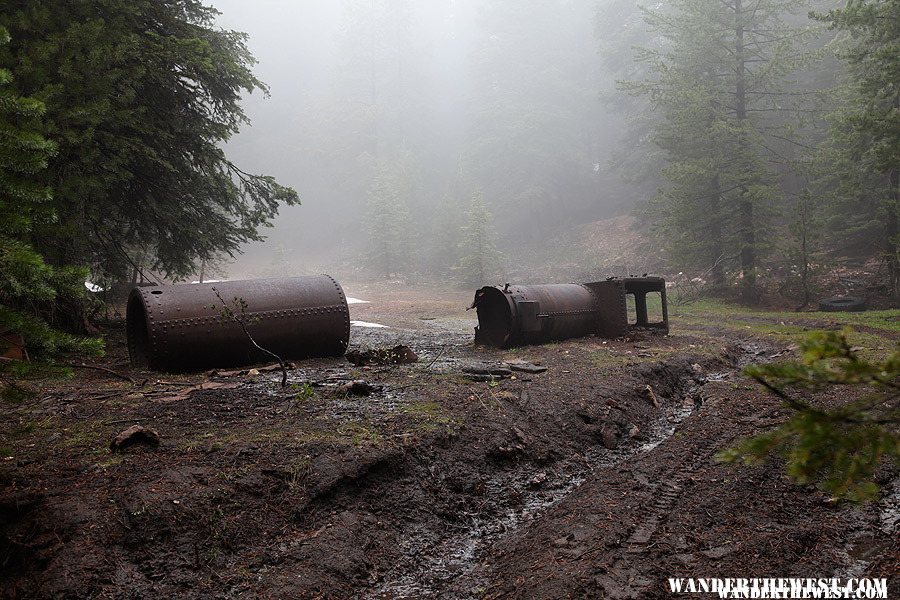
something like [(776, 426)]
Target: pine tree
[(535, 134), (388, 221), (31, 291), (838, 448), (140, 97), (802, 247), (480, 258), (445, 228), (720, 81), (860, 162)]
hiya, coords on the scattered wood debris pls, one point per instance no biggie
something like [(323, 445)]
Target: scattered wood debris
[(398, 355), (524, 366), (242, 372), (206, 385)]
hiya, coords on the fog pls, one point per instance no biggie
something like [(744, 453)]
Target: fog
[(389, 116)]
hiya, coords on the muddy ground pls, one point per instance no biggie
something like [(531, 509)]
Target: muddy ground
[(595, 478)]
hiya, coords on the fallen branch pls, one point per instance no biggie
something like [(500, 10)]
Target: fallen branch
[(120, 421), (243, 326), (431, 364), (104, 369)]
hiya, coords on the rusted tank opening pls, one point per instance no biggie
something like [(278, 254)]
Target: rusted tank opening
[(494, 318), (137, 330)]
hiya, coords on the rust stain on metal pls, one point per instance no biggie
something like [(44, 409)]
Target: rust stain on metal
[(180, 328), (515, 315)]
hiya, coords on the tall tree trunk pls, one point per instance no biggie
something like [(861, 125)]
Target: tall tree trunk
[(804, 247), (892, 230), (717, 244), (747, 222)]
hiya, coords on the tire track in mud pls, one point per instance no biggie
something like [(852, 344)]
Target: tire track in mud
[(670, 491), (453, 563), (623, 581)]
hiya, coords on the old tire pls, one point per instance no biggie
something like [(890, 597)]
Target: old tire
[(842, 303)]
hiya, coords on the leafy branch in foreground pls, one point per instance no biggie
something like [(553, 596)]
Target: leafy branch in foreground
[(241, 318), (838, 448)]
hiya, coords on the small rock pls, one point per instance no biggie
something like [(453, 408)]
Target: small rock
[(719, 552), (651, 396), (136, 434), (634, 432), (508, 451), (520, 434), (538, 479), (360, 387), (609, 436)]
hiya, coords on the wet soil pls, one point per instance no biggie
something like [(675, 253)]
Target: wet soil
[(595, 478)]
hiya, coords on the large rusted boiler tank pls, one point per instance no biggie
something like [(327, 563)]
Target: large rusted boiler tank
[(179, 328), (517, 315)]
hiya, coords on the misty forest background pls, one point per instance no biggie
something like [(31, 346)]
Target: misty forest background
[(754, 144), (747, 146)]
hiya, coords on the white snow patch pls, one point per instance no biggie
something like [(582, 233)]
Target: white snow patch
[(366, 324), (356, 301)]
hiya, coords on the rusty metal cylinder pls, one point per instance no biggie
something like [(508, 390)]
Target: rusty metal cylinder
[(180, 328), (518, 315)]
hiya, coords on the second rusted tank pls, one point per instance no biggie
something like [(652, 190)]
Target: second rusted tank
[(516, 315), (179, 328)]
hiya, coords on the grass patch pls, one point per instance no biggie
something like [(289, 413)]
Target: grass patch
[(112, 461), (360, 434), (792, 327), (430, 416), (305, 391), (27, 428), (84, 437), (423, 409), (15, 395), (346, 434), (219, 440), (607, 359), (886, 320)]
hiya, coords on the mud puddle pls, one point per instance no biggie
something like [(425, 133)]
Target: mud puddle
[(864, 548), (453, 563)]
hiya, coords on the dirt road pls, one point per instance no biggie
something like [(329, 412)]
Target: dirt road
[(594, 478)]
